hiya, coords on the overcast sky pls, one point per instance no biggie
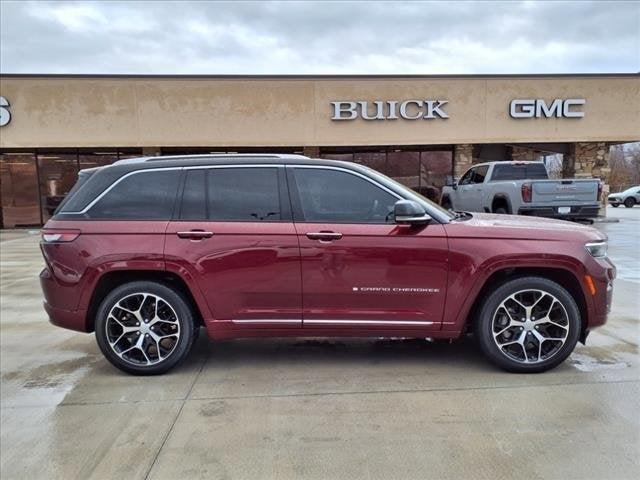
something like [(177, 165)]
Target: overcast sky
[(330, 37)]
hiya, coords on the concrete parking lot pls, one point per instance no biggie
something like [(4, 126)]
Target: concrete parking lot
[(296, 408)]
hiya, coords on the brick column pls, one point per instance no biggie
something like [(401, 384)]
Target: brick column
[(462, 158), (313, 152), (592, 161)]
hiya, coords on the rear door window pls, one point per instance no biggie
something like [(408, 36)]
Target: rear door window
[(249, 194), (142, 195)]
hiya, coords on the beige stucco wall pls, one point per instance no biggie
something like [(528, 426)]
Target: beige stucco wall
[(130, 111)]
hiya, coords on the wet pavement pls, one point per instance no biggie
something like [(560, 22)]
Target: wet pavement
[(313, 408)]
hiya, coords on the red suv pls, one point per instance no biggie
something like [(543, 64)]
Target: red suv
[(146, 251)]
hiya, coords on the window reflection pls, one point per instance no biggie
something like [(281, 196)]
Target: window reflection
[(19, 190)]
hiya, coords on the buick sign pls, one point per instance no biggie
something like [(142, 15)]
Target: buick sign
[(389, 110)]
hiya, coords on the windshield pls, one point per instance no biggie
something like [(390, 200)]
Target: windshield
[(411, 193)]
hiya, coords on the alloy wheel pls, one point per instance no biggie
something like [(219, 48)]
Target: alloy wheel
[(142, 329), (530, 326)]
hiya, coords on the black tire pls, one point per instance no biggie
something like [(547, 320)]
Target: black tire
[(615, 205), (484, 326), (184, 321), (446, 203), (501, 211), (629, 202)]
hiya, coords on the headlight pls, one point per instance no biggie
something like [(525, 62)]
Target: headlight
[(597, 249)]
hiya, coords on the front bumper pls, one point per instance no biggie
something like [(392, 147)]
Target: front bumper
[(615, 201), (575, 211)]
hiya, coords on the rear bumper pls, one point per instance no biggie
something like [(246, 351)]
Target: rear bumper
[(576, 211), (61, 317), (72, 320)]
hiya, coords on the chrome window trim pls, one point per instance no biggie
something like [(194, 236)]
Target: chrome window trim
[(315, 321), (134, 172), (259, 165), (266, 321)]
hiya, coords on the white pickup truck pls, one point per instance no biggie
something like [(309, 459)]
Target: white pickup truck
[(522, 188)]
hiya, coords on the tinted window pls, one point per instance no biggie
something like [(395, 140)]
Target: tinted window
[(231, 194), (193, 197), (525, 171), (140, 196), (330, 196), (479, 174)]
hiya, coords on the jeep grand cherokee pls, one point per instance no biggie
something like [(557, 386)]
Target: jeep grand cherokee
[(146, 251)]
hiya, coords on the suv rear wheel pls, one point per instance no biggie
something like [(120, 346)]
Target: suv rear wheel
[(145, 328), (528, 325), (629, 202)]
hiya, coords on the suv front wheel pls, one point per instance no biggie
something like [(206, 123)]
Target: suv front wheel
[(145, 328), (528, 325)]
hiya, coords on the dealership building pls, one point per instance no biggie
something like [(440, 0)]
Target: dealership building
[(421, 130)]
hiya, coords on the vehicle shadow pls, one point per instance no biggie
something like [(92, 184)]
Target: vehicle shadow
[(342, 352)]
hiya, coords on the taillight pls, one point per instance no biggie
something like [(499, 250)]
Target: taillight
[(526, 192), (599, 191), (59, 235)]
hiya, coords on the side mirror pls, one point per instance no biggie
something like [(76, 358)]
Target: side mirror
[(454, 185), (409, 212)]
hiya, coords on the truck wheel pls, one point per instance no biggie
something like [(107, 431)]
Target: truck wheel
[(446, 203), (145, 328), (629, 202), (528, 325), (501, 210)]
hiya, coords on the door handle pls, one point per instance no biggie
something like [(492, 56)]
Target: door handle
[(324, 236), (195, 234)]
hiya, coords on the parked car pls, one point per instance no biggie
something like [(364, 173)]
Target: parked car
[(145, 251), (628, 198), (522, 188)]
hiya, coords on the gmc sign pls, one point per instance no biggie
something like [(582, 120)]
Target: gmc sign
[(559, 108)]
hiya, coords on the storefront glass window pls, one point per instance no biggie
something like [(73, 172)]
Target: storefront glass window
[(19, 190), (436, 170), (375, 160), (57, 174), (404, 167)]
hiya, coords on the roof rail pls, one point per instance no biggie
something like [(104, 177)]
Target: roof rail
[(210, 155)]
